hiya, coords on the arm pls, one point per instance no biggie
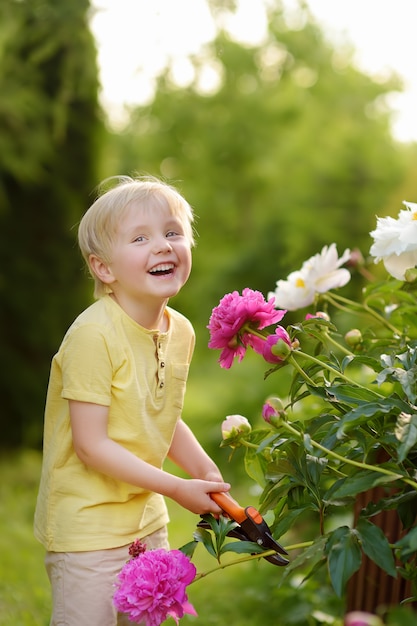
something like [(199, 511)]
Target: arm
[(187, 453), (95, 449)]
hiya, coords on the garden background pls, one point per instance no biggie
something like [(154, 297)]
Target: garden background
[(292, 152)]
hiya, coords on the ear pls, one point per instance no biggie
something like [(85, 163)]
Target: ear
[(101, 269)]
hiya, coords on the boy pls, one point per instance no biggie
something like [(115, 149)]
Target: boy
[(114, 402)]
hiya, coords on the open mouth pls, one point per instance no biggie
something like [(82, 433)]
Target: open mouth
[(163, 269)]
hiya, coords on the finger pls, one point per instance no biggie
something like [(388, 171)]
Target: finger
[(219, 487)]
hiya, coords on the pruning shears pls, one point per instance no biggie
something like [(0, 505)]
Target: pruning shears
[(251, 526)]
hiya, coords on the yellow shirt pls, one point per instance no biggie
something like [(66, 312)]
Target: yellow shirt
[(106, 358)]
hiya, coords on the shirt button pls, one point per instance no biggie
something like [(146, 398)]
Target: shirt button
[(162, 364), (161, 384)]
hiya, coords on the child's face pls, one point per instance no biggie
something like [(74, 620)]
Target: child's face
[(151, 257)]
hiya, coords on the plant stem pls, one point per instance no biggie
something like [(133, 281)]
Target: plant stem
[(338, 301), (249, 557), (248, 444), (337, 344), (343, 459), (300, 370), (299, 546), (327, 367)]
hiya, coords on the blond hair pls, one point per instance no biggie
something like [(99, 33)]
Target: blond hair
[(99, 225)]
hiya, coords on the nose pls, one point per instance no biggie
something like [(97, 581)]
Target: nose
[(163, 245)]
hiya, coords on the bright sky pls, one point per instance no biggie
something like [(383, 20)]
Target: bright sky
[(135, 39)]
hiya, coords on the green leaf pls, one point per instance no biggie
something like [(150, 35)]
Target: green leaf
[(279, 468), (364, 359), (288, 518), (407, 545), (313, 557), (399, 501), (315, 467), (344, 557), (272, 497), (242, 547), (407, 381), (357, 483), (375, 545), (220, 528), (406, 378), (255, 465), (407, 511), (189, 548), (362, 415), (203, 536), (406, 433), (400, 615), (352, 394), (307, 443)]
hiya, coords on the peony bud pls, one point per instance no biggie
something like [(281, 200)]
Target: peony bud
[(274, 348), (137, 548), (273, 411), (321, 314), (281, 349), (235, 425), (356, 259), (277, 347), (359, 618), (410, 275), (353, 337)]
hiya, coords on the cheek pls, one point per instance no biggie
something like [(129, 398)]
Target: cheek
[(189, 260)]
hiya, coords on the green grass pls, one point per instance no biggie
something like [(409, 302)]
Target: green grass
[(241, 595), (24, 586)]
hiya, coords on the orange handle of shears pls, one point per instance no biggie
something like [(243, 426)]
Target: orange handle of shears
[(229, 506)]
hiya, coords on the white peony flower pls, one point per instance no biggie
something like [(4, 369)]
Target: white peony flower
[(294, 293), (324, 269), (318, 274), (395, 241)]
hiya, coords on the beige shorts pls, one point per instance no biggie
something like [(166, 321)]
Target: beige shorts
[(83, 583)]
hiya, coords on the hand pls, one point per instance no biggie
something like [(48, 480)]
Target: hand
[(194, 495), (213, 476)]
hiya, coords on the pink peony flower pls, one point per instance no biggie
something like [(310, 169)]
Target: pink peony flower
[(232, 320), (151, 587)]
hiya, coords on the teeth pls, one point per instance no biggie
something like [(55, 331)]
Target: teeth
[(163, 267)]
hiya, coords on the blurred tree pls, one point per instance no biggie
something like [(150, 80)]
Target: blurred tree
[(49, 132), (289, 152)]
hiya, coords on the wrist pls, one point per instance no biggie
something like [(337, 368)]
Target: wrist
[(172, 486), (213, 475)]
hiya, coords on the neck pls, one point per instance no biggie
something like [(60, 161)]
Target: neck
[(144, 314)]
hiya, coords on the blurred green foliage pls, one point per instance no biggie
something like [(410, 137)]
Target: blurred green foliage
[(291, 152), (49, 133), (228, 596)]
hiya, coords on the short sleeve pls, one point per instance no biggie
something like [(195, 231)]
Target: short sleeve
[(86, 365)]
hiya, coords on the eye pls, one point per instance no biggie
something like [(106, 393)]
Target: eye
[(139, 239), (172, 233)]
